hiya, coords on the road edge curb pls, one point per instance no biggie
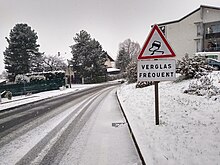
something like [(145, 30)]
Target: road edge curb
[(131, 132)]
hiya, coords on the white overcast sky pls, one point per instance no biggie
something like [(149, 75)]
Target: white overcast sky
[(108, 21)]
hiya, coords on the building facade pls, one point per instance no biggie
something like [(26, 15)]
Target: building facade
[(109, 62), (199, 31)]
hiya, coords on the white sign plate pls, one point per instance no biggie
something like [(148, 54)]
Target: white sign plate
[(157, 70)]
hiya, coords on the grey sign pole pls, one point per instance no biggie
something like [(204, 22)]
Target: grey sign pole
[(156, 102)]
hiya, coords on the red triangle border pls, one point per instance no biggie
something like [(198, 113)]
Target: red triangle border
[(155, 27)]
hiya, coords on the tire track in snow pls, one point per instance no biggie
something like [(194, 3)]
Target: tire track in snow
[(27, 147)]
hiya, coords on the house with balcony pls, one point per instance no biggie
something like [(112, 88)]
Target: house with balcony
[(199, 31)]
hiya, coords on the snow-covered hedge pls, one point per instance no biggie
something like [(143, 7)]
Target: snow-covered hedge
[(37, 78), (21, 79)]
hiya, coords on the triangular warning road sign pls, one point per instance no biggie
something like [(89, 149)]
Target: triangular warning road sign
[(156, 46)]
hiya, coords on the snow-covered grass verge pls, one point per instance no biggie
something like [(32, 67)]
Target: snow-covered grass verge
[(189, 130)]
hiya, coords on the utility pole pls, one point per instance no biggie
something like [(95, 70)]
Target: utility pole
[(69, 75), (69, 72)]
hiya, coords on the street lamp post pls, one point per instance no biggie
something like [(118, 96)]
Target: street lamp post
[(69, 75), (70, 72)]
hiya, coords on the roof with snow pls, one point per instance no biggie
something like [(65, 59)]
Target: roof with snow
[(110, 58), (113, 70)]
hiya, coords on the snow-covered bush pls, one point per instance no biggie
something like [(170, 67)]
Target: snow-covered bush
[(21, 79), (194, 67), (37, 78), (203, 86), (8, 95), (132, 72)]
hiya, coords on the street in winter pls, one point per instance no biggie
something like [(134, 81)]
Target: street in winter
[(90, 129), (189, 125), (110, 82)]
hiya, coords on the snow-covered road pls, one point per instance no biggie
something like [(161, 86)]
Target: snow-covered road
[(105, 139), (80, 132)]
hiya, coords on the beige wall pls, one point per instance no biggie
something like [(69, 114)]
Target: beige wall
[(211, 15), (108, 63), (181, 35)]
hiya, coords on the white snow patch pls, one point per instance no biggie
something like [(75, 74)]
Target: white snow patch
[(15, 150), (189, 130), (12, 152)]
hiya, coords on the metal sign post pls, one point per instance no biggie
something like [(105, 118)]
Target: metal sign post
[(156, 102)]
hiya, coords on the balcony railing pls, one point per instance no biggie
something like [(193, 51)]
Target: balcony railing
[(213, 49), (212, 35)]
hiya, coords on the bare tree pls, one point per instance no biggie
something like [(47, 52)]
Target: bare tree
[(122, 60), (4, 75), (131, 47), (53, 63)]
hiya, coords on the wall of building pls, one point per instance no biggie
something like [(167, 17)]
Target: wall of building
[(211, 15), (108, 63), (211, 20), (181, 35)]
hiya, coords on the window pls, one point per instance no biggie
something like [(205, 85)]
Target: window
[(209, 30), (163, 29), (198, 46), (212, 45), (199, 30), (215, 28)]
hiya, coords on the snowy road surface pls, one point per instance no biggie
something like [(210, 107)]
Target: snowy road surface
[(82, 131)]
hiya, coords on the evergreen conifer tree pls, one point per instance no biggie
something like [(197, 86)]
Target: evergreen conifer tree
[(22, 54), (88, 57)]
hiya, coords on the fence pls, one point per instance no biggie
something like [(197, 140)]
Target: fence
[(32, 87)]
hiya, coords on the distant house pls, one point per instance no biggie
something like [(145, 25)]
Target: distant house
[(198, 31), (110, 62)]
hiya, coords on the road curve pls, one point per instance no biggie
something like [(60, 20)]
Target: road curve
[(42, 133)]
